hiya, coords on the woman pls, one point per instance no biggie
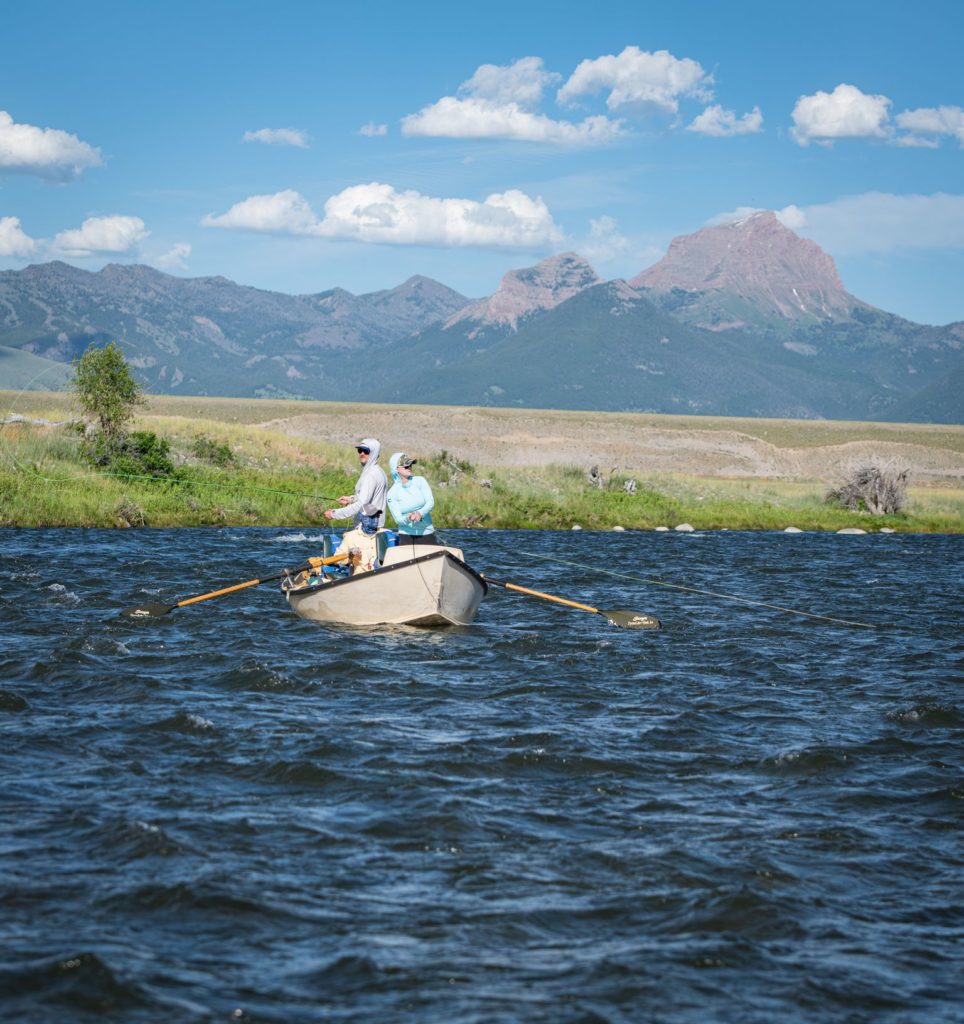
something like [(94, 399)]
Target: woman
[(411, 502)]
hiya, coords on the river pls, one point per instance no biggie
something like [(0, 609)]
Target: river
[(231, 814)]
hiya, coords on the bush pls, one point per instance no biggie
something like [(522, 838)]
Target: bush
[(877, 488), (215, 452), (129, 513), (141, 453), (445, 468)]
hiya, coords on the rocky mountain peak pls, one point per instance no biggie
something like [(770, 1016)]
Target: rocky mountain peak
[(531, 290), (758, 262)]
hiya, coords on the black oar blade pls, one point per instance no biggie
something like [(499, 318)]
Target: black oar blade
[(632, 620), (145, 611)]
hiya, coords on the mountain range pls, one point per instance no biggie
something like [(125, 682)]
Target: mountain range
[(742, 319)]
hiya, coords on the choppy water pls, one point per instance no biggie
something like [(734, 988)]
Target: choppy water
[(230, 814)]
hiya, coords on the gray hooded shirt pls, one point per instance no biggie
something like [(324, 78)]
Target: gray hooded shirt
[(370, 488)]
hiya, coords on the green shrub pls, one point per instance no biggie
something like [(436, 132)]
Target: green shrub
[(217, 453), (140, 453)]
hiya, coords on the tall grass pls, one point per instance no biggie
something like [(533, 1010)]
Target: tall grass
[(274, 479)]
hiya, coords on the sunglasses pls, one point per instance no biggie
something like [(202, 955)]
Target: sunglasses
[(364, 451)]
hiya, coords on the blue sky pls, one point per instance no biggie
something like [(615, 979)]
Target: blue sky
[(303, 146)]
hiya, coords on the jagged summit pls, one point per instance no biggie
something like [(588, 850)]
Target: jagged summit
[(531, 290), (750, 268)]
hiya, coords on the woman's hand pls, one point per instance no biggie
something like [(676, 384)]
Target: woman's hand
[(415, 517)]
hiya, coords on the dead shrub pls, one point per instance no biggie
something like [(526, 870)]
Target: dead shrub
[(128, 513), (879, 488)]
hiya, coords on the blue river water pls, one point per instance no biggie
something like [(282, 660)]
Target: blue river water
[(230, 814)]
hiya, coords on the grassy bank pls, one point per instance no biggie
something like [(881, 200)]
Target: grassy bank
[(275, 479)]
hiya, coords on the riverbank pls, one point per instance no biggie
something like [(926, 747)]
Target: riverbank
[(499, 468)]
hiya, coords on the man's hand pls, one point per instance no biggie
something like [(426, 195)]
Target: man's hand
[(329, 513), (345, 499)]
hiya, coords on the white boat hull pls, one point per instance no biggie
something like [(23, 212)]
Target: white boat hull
[(434, 588)]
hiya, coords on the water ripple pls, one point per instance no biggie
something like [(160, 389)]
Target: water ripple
[(227, 813)]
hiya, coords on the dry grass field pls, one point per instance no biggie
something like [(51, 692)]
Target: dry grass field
[(750, 472)]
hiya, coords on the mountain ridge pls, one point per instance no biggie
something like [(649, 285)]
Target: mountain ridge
[(745, 318)]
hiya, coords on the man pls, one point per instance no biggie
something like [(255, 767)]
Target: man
[(366, 507)]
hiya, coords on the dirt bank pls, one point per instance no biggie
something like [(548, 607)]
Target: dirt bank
[(640, 444)]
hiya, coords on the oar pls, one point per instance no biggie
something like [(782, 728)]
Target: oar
[(144, 610), (630, 620)]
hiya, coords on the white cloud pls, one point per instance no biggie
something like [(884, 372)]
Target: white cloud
[(175, 258), (379, 213), (13, 240), (372, 130), (916, 142), (720, 123), (101, 235), (44, 152), (792, 217), (638, 78), (286, 213), (499, 103), (931, 121), (605, 242), (845, 113), (521, 83), (482, 119), (873, 222), (279, 137)]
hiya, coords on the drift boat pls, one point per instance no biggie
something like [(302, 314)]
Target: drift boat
[(413, 586)]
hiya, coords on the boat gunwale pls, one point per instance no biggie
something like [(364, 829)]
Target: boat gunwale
[(312, 588)]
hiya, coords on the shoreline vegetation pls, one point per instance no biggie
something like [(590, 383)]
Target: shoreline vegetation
[(264, 462)]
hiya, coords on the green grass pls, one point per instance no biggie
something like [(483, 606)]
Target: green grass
[(275, 479)]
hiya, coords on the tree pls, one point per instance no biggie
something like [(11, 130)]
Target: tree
[(106, 388)]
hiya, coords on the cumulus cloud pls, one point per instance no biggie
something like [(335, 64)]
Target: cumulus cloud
[(791, 217), (13, 239), (845, 113), (175, 258), (873, 222), (522, 82), (45, 152), (637, 78), (499, 103), (720, 123), (380, 213), (931, 121), (285, 213), (279, 137), (101, 235), (481, 119), (373, 130)]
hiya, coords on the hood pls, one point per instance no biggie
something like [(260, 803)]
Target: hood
[(374, 447), (393, 466)]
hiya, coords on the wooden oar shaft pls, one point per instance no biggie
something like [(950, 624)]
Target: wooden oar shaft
[(315, 562), (549, 597), (218, 593)]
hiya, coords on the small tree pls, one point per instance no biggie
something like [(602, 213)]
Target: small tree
[(106, 388)]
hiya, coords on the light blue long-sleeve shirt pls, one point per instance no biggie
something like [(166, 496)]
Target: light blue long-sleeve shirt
[(415, 496)]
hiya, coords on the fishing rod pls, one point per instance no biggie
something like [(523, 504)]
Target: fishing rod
[(707, 593)]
